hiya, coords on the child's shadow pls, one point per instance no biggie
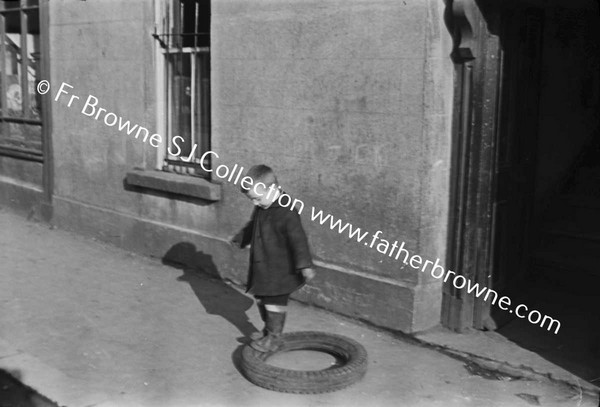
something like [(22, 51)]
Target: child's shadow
[(217, 297)]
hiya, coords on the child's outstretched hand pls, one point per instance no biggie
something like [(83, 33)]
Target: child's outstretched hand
[(233, 242), (308, 273)]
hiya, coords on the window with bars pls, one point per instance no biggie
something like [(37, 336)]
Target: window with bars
[(183, 35), (20, 104)]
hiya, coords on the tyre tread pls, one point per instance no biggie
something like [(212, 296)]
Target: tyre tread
[(257, 371)]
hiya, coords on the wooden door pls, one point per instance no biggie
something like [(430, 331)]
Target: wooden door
[(516, 142)]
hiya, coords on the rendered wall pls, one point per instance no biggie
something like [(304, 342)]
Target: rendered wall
[(350, 102), (20, 184)]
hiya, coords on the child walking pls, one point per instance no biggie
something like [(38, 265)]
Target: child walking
[(280, 260)]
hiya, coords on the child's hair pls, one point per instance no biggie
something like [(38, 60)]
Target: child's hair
[(260, 173)]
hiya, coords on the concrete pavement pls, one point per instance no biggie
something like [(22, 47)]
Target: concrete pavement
[(87, 324)]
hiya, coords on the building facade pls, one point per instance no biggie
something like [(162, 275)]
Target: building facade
[(356, 105)]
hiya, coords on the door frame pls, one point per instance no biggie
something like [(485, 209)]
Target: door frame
[(479, 149), (477, 58)]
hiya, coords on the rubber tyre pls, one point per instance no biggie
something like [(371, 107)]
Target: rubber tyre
[(352, 353)]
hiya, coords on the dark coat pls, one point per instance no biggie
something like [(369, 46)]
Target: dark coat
[(279, 250)]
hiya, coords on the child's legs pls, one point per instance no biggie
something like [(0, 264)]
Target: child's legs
[(275, 310), (274, 303)]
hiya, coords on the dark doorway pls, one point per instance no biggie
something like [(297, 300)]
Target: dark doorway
[(526, 171), (556, 250)]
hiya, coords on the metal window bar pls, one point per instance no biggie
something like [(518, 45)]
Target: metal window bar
[(180, 57), (3, 76), (23, 5), (24, 63), (197, 124)]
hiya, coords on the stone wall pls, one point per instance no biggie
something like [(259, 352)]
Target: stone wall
[(349, 101)]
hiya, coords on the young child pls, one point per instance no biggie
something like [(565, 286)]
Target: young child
[(280, 260)]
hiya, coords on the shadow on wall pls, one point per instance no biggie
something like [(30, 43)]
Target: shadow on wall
[(216, 296)]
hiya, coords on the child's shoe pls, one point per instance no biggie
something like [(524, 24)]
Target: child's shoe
[(258, 335), (274, 327)]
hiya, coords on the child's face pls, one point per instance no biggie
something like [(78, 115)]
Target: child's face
[(261, 196)]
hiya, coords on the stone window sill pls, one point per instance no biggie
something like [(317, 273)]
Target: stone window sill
[(169, 182)]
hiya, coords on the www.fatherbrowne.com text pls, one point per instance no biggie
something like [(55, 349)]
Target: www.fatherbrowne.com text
[(395, 250)]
